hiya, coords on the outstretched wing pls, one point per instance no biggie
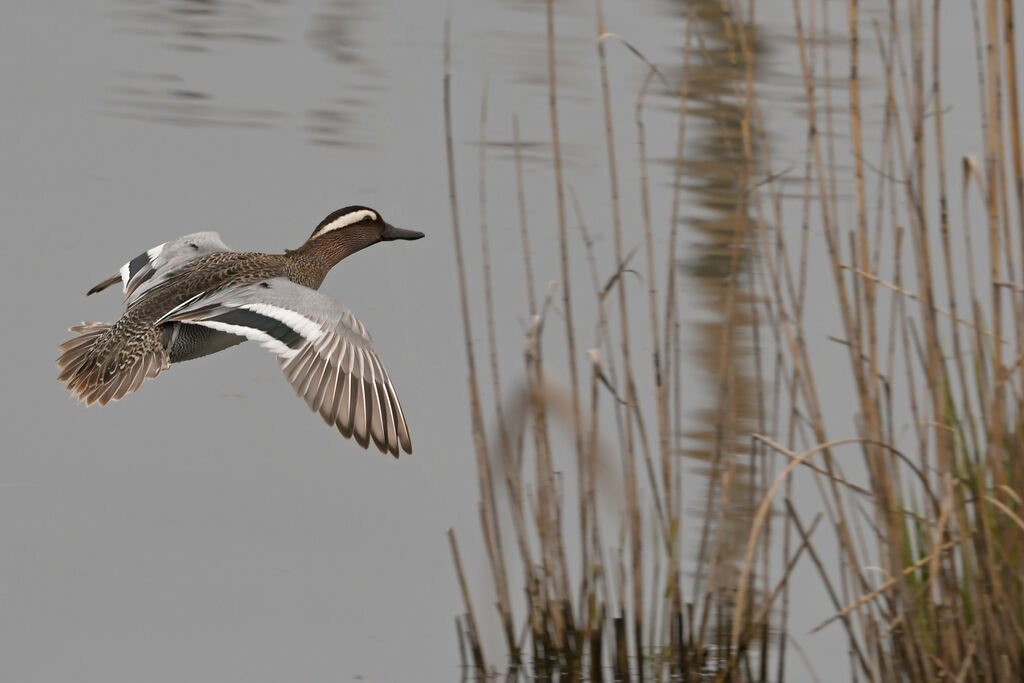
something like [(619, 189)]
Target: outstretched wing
[(324, 351), (153, 266)]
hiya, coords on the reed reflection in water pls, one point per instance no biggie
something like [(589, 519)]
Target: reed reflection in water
[(717, 171)]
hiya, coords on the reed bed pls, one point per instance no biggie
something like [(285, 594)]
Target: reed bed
[(920, 494)]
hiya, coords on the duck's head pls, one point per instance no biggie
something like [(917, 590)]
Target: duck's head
[(346, 231)]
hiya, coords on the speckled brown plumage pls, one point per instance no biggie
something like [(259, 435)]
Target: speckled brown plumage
[(99, 374)]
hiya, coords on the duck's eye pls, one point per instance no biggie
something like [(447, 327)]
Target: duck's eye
[(368, 219)]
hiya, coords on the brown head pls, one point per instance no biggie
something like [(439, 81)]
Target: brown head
[(346, 231)]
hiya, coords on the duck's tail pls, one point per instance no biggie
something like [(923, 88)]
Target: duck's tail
[(96, 367)]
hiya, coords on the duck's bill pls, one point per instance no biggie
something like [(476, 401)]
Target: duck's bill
[(393, 233)]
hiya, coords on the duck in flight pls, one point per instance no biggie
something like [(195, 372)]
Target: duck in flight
[(194, 296)]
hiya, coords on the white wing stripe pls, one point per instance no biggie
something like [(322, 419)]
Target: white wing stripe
[(310, 329), (265, 340)]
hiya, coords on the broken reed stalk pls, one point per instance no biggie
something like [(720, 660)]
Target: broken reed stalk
[(474, 635)]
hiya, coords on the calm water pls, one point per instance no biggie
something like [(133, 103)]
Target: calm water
[(209, 528)]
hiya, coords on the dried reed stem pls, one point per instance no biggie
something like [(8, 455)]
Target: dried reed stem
[(629, 468)]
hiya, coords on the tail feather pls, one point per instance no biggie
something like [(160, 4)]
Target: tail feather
[(97, 369), (75, 351)]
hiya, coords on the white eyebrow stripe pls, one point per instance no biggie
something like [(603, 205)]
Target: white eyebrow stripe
[(346, 220)]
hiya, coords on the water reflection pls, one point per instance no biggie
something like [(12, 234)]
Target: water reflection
[(328, 126), (537, 152), (194, 25), (249, 32), (716, 170), (338, 30), (166, 98)]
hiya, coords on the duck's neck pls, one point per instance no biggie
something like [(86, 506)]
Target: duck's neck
[(307, 268), (310, 263)]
